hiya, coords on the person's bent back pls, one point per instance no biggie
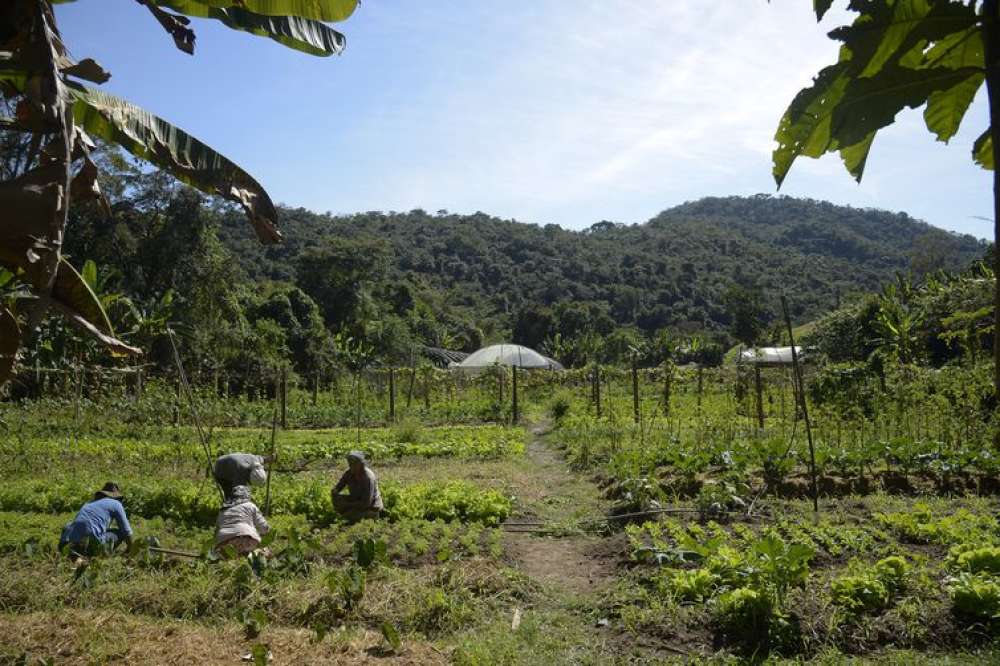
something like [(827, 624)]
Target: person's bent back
[(240, 524), (90, 532), (239, 469)]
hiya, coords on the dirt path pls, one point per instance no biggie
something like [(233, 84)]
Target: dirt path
[(549, 492)]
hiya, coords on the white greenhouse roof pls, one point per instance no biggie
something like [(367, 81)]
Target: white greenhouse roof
[(770, 355), (506, 354)]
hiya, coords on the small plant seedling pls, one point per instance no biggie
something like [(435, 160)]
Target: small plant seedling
[(391, 636)]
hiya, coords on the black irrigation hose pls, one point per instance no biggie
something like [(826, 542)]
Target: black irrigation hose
[(544, 527), (177, 553)]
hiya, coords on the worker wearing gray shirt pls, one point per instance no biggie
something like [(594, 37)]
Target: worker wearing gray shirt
[(239, 469), (363, 499)]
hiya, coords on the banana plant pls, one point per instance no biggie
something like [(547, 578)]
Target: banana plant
[(898, 323), (63, 116), (900, 54)]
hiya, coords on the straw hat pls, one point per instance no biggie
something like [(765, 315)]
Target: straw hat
[(111, 490)]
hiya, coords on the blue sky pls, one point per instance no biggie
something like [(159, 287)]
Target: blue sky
[(545, 111)]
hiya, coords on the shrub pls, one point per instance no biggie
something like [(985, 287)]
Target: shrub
[(408, 431), (560, 406)]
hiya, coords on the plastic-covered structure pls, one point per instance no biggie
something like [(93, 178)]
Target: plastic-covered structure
[(507, 354), (769, 357)]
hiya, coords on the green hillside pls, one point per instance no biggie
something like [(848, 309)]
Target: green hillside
[(671, 271)]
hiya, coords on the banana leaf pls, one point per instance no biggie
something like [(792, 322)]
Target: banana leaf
[(151, 138), (301, 34), (318, 10)]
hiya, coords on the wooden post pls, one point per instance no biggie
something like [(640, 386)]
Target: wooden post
[(700, 383), (668, 378), (513, 404), (284, 399), (177, 404), (597, 389), (635, 391), (82, 377), (392, 395), (593, 389), (427, 390), (802, 401), (409, 392), (760, 396)]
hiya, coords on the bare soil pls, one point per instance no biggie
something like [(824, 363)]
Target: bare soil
[(550, 492)]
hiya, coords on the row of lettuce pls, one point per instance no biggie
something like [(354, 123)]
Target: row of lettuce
[(294, 447), (192, 502)]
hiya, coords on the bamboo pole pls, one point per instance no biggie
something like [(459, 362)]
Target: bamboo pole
[(409, 392), (194, 411), (760, 396), (597, 389), (284, 399), (635, 391), (392, 395), (513, 406), (270, 463), (802, 402)]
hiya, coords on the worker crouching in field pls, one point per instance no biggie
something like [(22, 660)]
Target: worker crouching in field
[(240, 523), (90, 532), (239, 469), (363, 499)]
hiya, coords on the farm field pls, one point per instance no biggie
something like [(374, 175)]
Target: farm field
[(496, 545), (612, 420)]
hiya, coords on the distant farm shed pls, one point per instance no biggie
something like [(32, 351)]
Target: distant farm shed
[(770, 357)]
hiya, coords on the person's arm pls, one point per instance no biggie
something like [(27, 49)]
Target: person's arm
[(372, 487), (340, 484), (119, 515), (260, 522)]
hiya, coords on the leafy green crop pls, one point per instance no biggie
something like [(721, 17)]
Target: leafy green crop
[(189, 502), (976, 596), (873, 590)]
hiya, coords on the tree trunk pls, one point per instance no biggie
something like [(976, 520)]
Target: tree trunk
[(991, 38)]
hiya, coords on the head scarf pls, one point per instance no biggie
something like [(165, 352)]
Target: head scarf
[(357, 455)]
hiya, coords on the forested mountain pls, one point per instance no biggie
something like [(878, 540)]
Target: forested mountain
[(672, 271), (375, 287)]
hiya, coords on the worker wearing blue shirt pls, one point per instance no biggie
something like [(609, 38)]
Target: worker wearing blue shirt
[(91, 532)]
